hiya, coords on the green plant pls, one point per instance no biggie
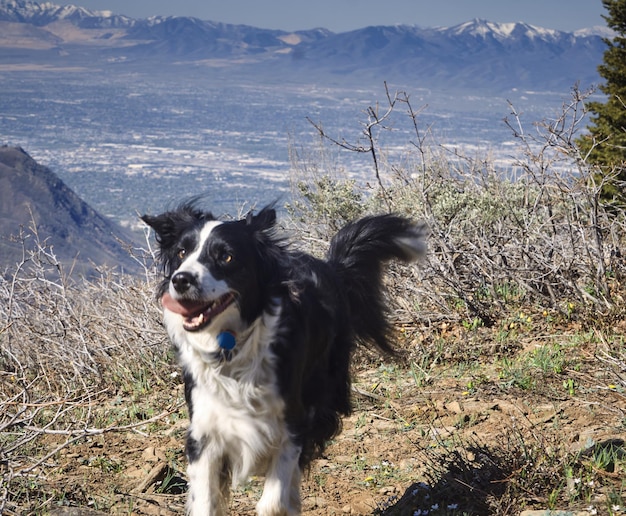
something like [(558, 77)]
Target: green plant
[(515, 373), (327, 202), (604, 145), (171, 483), (106, 464), (570, 386), (419, 372), (473, 324), (548, 359)]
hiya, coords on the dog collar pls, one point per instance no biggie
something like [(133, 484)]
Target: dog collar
[(227, 342)]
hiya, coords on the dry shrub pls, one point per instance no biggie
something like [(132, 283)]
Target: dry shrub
[(534, 232), (68, 345)]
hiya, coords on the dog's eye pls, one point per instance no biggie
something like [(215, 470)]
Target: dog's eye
[(222, 255), (181, 253)]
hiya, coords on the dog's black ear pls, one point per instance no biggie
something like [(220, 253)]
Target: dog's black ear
[(164, 227), (156, 222), (169, 225), (264, 220)]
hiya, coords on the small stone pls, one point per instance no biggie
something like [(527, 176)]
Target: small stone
[(152, 454), (149, 454), (315, 502), (454, 407)]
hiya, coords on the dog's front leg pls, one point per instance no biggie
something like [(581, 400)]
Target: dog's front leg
[(209, 479), (281, 491)]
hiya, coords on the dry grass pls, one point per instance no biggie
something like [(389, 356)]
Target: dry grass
[(69, 347)]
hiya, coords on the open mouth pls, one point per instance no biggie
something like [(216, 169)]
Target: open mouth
[(197, 314)]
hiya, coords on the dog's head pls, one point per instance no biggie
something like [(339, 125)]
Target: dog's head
[(217, 274)]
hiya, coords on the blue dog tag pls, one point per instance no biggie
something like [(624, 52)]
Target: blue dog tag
[(226, 340)]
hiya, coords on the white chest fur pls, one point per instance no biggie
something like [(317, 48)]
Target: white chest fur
[(237, 408)]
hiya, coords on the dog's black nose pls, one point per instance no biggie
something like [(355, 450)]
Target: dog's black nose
[(182, 281)]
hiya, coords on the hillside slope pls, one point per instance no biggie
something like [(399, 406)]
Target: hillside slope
[(31, 195)]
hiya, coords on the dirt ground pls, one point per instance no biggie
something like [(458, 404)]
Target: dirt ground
[(442, 439)]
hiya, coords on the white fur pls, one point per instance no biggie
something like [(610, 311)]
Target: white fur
[(238, 409)]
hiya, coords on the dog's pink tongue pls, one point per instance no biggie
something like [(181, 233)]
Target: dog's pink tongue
[(184, 308)]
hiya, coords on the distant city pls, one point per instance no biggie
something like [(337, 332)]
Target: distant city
[(130, 145)]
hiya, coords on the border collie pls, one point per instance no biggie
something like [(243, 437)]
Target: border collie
[(265, 335)]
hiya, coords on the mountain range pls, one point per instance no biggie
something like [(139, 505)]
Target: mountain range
[(476, 54), (34, 201)]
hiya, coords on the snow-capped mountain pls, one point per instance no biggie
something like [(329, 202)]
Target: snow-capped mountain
[(475, 54), (45, 13), (487, 30)]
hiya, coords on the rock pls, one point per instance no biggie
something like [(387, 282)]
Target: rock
[(152, 454), (382, 425), (363, 504), (454, 407), (314, 502)]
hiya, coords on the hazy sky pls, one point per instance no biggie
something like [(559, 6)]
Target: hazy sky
[(345, 15)]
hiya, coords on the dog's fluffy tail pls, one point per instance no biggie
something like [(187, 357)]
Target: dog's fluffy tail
[(358, 252)]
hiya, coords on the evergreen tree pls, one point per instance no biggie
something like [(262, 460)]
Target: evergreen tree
[(606, 142)]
